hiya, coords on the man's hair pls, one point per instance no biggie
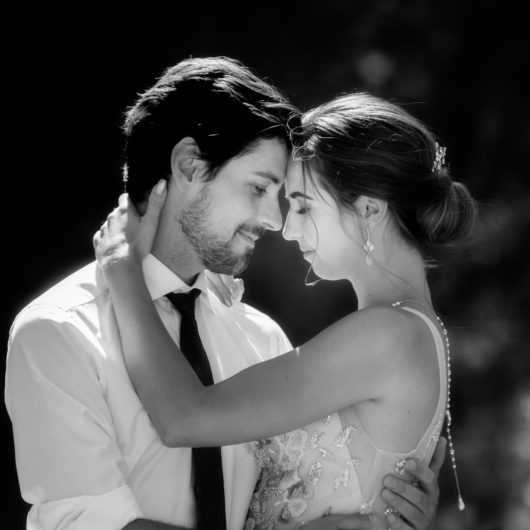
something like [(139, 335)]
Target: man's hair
[(217, 101)]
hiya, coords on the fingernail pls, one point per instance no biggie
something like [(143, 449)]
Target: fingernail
[(388, 495), (160, 188), (390, 482), (410, 465)]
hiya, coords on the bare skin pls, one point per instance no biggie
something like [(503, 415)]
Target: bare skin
[(417, 517)]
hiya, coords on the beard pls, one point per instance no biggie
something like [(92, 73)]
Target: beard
[(215, 251)]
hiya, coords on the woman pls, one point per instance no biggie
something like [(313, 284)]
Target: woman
[(370, 201)]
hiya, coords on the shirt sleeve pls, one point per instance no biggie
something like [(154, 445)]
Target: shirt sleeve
[(280, 343), (69, 463)]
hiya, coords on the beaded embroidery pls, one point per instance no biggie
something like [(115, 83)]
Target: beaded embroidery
[(302, 469), (285, 490), (345, 437)]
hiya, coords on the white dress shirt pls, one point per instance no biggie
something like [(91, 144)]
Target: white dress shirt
[(86, 451)]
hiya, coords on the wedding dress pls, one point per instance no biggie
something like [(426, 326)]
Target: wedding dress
[(332, 466)]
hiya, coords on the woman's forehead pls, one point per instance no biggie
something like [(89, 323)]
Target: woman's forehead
[(303, 180), (297, 177)]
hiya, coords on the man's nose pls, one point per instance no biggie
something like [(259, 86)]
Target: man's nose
[(272, 215)]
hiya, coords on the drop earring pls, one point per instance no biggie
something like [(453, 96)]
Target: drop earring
[(368, 247)]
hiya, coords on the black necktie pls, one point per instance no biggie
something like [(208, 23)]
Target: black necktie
[(207, 468)]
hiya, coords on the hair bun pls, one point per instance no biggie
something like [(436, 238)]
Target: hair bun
[(450, 220)]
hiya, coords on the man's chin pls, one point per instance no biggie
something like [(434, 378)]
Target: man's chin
[(232, 267)]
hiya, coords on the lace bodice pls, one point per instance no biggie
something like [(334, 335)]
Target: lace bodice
[(331, 466)]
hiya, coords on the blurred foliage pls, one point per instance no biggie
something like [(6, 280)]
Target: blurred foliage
[(70, 71)]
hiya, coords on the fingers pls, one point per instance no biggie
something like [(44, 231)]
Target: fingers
[(396, 523), (111, 218), (416, 503), (149, 220), (157, 198), (439, 456), (96, 239), (423, 475), (409, 502), (123, 201)]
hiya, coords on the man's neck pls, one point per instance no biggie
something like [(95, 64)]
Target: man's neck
[(172, 247), (186, 270)]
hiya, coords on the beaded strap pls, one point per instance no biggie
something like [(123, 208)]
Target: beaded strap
[(461, 504)]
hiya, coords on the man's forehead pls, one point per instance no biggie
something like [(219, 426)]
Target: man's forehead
[(276, 178)]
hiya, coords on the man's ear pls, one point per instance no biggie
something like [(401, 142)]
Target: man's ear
[(372, 210), (186, 161)]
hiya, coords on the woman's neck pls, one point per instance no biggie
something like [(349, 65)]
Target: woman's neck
[(400, 275)]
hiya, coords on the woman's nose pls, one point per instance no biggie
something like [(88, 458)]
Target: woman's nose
[(290, 231)]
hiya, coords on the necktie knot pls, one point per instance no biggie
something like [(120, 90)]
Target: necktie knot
[(184, 302)]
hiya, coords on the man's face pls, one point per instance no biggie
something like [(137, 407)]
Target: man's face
[(226, 217)]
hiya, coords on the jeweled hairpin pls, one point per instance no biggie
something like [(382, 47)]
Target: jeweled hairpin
[(439, 157)]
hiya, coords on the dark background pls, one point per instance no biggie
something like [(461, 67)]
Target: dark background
[(70, 70)]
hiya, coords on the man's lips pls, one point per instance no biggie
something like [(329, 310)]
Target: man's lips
[(249, 236)]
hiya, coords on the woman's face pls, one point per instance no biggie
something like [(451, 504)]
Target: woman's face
[(314, 221)]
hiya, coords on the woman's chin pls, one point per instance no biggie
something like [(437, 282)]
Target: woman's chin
[(320, 269)]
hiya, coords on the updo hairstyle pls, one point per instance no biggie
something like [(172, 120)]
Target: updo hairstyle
[(364, 145)]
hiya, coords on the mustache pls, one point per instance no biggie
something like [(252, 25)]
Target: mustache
[(258, 231)]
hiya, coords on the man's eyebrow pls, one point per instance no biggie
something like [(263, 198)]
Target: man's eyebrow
[(299, 195), (268, 175)]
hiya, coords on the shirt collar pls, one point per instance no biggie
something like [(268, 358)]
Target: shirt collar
[(161, 280)]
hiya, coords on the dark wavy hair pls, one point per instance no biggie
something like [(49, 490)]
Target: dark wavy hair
[(217, 101), (364, 145)]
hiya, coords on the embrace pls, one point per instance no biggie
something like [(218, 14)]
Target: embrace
[(144, 395)]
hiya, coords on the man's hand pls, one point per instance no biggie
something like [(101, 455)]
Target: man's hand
[(415, 504)]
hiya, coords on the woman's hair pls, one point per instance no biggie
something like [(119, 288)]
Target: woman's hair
[(364, 145)]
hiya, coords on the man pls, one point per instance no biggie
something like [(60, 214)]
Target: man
[(87, 454)]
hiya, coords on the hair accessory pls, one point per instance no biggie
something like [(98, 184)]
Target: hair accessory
[(439, 158), (368, 247)]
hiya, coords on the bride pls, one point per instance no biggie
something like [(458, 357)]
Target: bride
[(371, 201)]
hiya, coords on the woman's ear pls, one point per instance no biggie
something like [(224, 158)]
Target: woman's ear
[(186, 161), (373, 211)]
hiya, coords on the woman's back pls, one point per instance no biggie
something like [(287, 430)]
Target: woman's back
[(336, 465)]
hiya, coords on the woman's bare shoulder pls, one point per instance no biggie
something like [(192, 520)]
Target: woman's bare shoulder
[(387, 326), (398, 333), (379, 334)]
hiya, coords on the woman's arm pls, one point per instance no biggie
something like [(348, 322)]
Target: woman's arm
[(347, 363), (344, 364)]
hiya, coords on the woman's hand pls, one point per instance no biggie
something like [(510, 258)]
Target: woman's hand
[(125, 238)]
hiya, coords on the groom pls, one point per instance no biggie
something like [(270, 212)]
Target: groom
[(87, 454)]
